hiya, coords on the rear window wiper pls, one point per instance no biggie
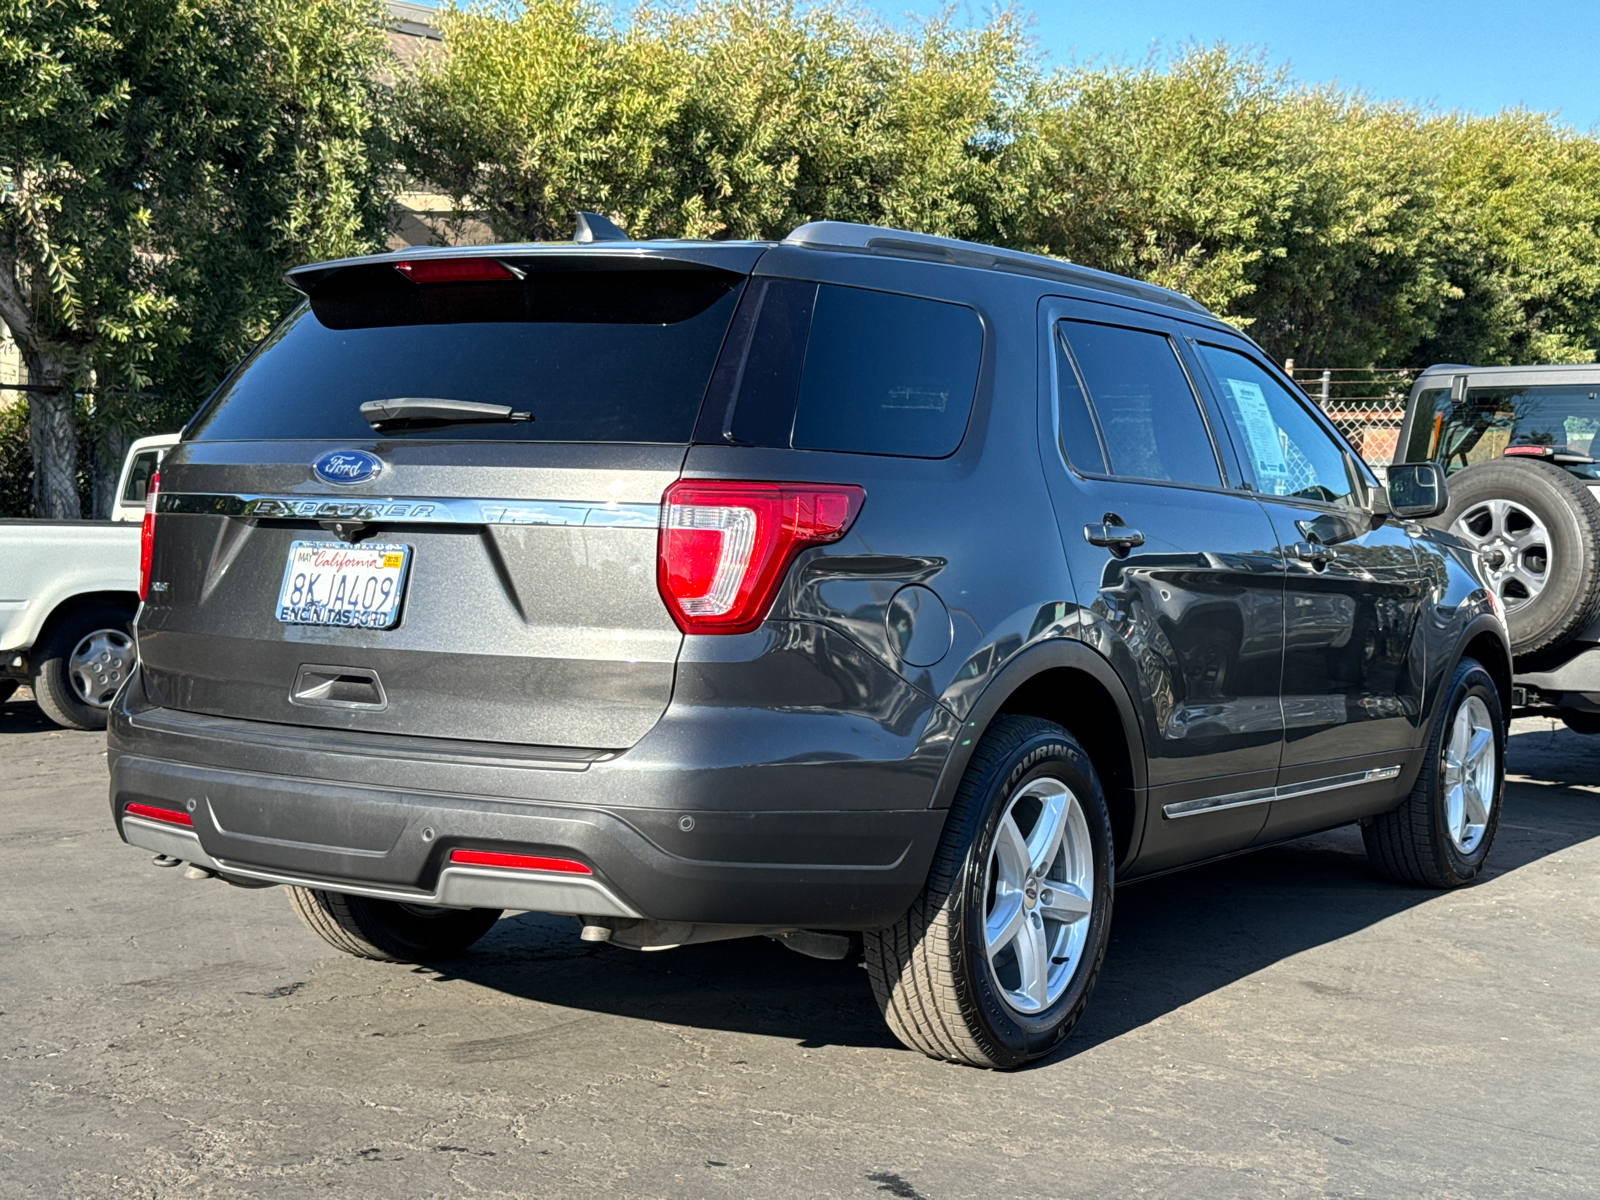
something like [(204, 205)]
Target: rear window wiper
[(430, 410)]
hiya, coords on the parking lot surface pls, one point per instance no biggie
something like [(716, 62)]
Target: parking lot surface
[(1282, 1023)]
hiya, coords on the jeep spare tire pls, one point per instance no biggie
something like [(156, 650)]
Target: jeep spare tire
[(1536, 529)]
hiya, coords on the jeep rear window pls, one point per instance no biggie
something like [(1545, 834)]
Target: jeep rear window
[(828, 367), (596, 355), (1564, 417)]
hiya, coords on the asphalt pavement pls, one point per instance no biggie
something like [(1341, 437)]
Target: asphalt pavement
[(1280, 1024)]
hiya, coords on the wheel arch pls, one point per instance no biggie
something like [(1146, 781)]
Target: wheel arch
[(1068, 683), (76, 603), (1484, 643)]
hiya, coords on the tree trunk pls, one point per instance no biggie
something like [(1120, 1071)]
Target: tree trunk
[(53, 441), (111, 447)]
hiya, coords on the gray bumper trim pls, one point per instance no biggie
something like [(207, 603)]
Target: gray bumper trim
[(459, 887)]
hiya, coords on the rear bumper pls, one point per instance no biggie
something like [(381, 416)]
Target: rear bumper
[(1572, 683), (378, 816)]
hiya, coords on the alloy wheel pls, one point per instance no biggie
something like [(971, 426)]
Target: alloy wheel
[(1469, 774), (1038, 895), (1513, 548)]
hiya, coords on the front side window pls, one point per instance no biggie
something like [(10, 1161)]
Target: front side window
[(1560, 418), (1127, 408), (1289, 452)]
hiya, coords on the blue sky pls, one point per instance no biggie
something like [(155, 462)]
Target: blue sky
[(1471, 54)]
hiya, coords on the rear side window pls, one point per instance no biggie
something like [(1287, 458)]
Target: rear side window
[(1127, 407), (596, 354), (840, 368)]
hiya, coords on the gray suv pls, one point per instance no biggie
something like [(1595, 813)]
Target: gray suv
[(863, 589)]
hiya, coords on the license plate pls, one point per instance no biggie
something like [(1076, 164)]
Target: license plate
[(328, 583)]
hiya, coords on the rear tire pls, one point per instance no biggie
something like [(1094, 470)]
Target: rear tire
[(1441, 836), (388, 931), (990, 970), (82, 662), (1537, 527)]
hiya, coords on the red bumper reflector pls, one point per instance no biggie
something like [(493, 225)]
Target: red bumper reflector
[(168, 815), (517, 862)]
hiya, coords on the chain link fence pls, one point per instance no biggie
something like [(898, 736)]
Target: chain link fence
[(1366, 403)]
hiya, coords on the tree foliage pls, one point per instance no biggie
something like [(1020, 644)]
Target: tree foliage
[(1330, 226), (161, 163)]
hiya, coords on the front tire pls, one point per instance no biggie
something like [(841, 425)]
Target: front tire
[(994, 962), (388, 931), (1440, 837)]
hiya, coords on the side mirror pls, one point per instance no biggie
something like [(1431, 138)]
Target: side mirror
[(1417, 490)]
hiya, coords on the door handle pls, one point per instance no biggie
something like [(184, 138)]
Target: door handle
[(1118, 537), (1314, 553)]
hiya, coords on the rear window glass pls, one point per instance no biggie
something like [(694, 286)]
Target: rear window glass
[(1144, 408), (840, 368), (596, 355), (1561, 417)]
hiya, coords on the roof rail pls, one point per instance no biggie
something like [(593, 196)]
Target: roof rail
[(901, 243)]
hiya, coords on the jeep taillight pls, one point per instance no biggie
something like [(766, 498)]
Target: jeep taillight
[(147, 533), (725, 545)]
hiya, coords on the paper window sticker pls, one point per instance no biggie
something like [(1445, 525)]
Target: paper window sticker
[(1259, 429)]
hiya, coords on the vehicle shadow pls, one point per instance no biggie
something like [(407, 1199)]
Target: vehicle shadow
[(1174, 939), (19, 714)]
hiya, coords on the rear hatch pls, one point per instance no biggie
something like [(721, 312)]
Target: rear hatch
[(490, 579)]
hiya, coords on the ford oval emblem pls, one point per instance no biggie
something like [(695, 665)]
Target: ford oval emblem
[(347, 466)]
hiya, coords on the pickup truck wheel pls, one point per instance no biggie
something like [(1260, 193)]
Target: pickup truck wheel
[(389, 931), (84, 660), (1536, 529), (994, 963), (1441, 835)]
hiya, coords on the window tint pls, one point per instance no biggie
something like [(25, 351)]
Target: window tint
[(770, 373), (887, 374), (1079, 441), (1289, 452), (139, 477), (597, 355), (1564, 417), (1146, 413)]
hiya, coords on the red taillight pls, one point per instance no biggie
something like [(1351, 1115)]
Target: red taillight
[(170, 816), (147, 533), (454, 270), (725, 545), (517, 862)]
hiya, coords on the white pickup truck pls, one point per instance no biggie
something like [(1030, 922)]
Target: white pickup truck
[(68, 594)]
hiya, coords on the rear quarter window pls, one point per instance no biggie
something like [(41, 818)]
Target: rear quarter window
[(847, 369)]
